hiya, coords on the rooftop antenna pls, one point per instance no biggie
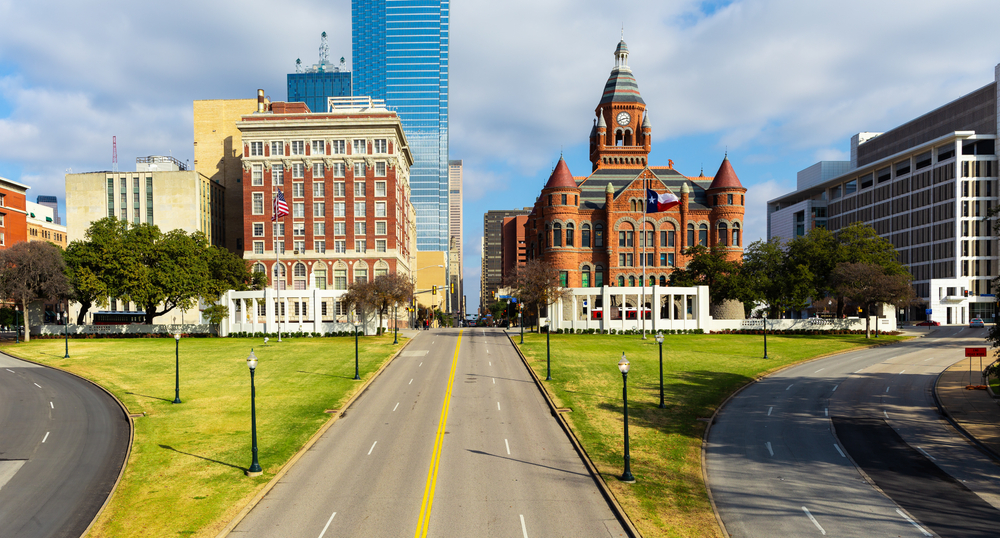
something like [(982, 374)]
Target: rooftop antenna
[(114, 154), (298, 65), (324, 50), (623, 31)]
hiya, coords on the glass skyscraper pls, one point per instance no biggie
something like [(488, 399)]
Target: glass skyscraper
[(400, 54)]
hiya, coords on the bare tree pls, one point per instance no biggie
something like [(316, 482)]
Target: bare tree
[(33, 270), (869, 284), (536, 283), (389, 290)]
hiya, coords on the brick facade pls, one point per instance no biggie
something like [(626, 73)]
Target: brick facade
[(13, 214)]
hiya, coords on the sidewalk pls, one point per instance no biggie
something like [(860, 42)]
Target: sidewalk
[(974, 411)]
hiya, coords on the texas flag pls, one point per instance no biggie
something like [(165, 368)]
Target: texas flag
[(655, 203)]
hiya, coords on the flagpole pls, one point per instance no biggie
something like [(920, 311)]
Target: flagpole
[(642, 307), (277, 260)]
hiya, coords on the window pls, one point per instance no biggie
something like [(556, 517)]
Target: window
[(359, 189), (278, 229), (319, 209), (380, 188), (359, 209), (631, 281), (337, 147), (339, 209), (319, 277), (380, 227), (723, 233), (381, 271), (149, 201), (557, 235), (703, 235), (599, 276), (256, 175), (585, 276), (258, 203), (361, 274), (380, 145), (550, 199), (256, 149), (359, 169), (339, 228), (380, 245), (277, 148), (319, 189), (298, 210), (279, 247), (339, 188), (298, 189), (258, 247), (319, 229), (298, 228), (277, 174), (340, 247), (569, 234), (298, 147), (585, 236), (338, 170), (318, 170), (360, 228), (736, 234), (690, 241), (670, 238), (360, 246), (320, 246), (621, 281), (340, 279), (625, 238), (298, 170), (563, 199), (379, 169), (663, 259), (563, 276), (318, 148), (379, 209), (299, 246), (598, 236), (360, 147)]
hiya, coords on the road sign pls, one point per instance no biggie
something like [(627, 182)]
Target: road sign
[(975, 352), (927, 311)]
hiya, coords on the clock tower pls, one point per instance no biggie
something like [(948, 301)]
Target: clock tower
[(621, 134)]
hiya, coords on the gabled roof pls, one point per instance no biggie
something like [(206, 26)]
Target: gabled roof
[(592, 189)]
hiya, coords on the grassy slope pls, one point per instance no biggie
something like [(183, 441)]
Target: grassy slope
[(669, 497), (185, 474)]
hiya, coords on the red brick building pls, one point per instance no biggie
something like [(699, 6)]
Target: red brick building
[(13, 213), (515, 247), (594, 229), (345, 177)]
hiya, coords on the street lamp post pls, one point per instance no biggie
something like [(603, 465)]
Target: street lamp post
[(765, 335), (177, 368), (17, 326), (395, 326), (356, 376), (66, 333), (659, 340), (520, 321), (623, 366), (548, 354), (254, 469)]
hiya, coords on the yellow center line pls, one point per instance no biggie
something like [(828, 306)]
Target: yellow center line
[(425, 506)]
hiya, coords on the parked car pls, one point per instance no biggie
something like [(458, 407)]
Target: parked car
[(928, 323), (976, 323)]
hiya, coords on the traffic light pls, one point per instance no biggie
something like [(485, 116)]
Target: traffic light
[(434, 291), (453, 288)]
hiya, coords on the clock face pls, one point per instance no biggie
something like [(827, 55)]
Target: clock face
[(623, 118)]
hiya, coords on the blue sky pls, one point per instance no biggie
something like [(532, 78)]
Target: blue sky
[(780, 84)]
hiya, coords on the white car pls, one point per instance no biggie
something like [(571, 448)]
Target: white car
[(976, 323)]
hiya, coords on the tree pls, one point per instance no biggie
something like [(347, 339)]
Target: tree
[(389, 290), (769, 277), (868, 284), (361, 297), (94, 265), (33, 270), (536, 283), (226, 271), (710, 268), (819, 252), (498, 309), (168, 270)]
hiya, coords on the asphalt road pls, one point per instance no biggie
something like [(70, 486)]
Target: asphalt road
[(63, 442), (778, 454), (448, 441)]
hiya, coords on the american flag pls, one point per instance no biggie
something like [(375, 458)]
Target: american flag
[(280, 207)]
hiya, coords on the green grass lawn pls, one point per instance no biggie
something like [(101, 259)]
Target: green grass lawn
[(669, 497), (185, 474)]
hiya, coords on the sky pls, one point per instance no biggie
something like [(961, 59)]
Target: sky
[(776, 84)]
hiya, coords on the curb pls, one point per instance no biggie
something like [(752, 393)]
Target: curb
[(987, 451), (131, 433), (308, 445), (606, 492)]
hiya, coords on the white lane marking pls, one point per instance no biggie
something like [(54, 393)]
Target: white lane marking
[(498, 406), (487, 352), (789, 386), (524, 529), (491, 363), (37, 385), (835, 388), (914, 523), (768, 445), (884, 413), (494, 381), (46, 437), (9, 370), (820, 370), (327, 525), (887, 389), (769, 411), (856, 371), (811, 518), (418, 366), (484, 332), (410, 383), (924, 452), (928, 358), (826, 411), (841, 452), (52, 406), (507, 445), (901, 371), (372, 448), (397, 405)]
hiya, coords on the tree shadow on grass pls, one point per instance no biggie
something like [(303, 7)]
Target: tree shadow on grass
[(166, 447), (150, 397)]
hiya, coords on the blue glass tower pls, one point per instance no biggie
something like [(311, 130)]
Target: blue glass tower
[(400, 54), (312, 88)]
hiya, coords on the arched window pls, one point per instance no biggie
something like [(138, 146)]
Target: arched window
[(619, 138), (628, 137), (598, 235), (690, 241), (703, 234), (569, 234), (599, 276), (361, 273), (557, 234), (723, 234), (259, 268), (585, 235), (663, 280), (631, 281), (299, 269), (621, 281), (320, 278), (585, 276), (280, 274), (736, 234), (652, 280)]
